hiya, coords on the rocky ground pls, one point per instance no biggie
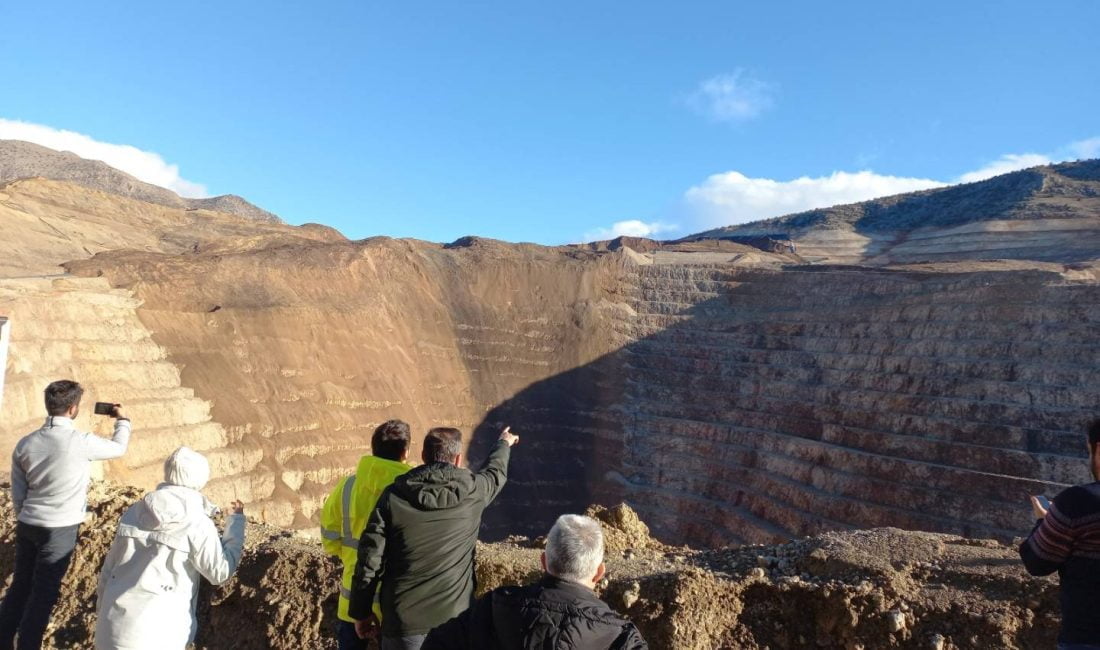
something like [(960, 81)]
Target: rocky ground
[(879, 588)]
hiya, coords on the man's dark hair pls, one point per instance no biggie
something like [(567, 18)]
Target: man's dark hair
[(390, 440), (1094, 433), (62, 395), (442, 445)]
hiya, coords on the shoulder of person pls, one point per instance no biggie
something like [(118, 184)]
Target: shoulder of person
[(1078, 500)]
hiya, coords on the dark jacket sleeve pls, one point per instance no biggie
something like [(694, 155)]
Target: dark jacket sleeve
[(630, 639), (1053, 538), (369, 561), (470, 630), (492, 477)]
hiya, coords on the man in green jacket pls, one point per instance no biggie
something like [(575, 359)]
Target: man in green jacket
[(419, 542)]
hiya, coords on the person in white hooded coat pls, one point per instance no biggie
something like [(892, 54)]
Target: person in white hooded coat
[(148, 589)]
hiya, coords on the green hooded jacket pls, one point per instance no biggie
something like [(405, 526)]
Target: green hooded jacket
[(419, 544)]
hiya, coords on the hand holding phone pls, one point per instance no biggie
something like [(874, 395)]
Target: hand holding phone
[(1040, 505), (108, 408)]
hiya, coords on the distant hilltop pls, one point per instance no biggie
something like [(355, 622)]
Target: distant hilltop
[(20, 159), (1051, 213)]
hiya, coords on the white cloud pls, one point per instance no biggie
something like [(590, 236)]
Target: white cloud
[(1009, 162), (1084, 149), (732, 197), (144, 165), (629, 228), (732, 97)]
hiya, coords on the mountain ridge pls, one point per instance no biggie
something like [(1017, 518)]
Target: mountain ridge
[(20, 159)]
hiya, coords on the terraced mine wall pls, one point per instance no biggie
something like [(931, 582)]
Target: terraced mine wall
[(760, 405), (63, 327), (303, 350), (728, 404)]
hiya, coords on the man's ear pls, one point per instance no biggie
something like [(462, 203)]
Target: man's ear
[(542, 561), (601, 571), (458, 460)]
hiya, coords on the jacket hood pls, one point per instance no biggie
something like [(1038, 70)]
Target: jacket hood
[(166, 508), (187, 468), (438, 486)]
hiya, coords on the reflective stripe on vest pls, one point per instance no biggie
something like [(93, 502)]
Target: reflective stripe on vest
[(349, 540), (346, 593)]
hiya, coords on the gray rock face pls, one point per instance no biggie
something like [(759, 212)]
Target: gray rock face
[(20, 159)]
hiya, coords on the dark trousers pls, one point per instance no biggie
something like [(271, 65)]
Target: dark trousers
[(42, 557), (347, 639)]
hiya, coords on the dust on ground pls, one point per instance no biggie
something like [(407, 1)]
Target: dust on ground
[(878, 588)]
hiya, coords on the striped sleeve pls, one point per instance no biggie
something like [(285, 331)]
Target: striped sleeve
[(1051, 542)]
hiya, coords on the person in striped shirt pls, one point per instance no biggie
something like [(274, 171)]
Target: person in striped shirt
[(1067, 540)]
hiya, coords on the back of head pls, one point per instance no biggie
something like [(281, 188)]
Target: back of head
[(1094, 433), (187, 468), (391, 440), (442, 445), (574, 548), (62, 395)]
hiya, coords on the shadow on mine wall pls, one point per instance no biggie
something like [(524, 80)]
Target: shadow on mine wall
[(726, 425)]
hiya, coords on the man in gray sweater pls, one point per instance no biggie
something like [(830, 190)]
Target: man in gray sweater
[(50, 470)]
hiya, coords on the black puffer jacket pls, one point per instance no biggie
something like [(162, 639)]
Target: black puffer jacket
[(550, 615)]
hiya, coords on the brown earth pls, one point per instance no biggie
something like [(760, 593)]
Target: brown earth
[(880, 588), (19, 160), (730, 394)]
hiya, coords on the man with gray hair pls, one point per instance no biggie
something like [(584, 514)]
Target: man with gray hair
[(559, 612)]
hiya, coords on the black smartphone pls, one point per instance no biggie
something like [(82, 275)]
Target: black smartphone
[(104, 408)]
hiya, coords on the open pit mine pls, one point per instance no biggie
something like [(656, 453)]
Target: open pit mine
[(921, 362)]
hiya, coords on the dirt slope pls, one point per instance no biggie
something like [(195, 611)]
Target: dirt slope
[(881, 588), (20, 159)]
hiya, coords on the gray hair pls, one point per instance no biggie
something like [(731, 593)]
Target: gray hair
[(574, 548)]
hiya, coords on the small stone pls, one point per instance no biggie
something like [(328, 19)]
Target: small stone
[(937, 642), (631, 595), (758, 573), (896, 619)]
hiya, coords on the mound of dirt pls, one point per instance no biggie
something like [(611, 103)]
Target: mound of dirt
[(879, 588), (623, 529)]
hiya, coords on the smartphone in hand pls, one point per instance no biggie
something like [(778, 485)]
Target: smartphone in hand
[(105, 408), (1043, 501)]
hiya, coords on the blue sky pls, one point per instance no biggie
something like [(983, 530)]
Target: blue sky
[(552, 121)]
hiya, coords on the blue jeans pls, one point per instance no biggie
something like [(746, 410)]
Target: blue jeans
[(404, 642), (42, 557)]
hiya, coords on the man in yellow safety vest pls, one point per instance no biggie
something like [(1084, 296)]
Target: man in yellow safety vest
[(347, 509)]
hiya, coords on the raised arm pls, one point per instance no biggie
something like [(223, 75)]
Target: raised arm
[(217, 558), (369, 564), (1052, 539), (101, 449), (492, 477)]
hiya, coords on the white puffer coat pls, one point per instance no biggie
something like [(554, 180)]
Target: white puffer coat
[(150, 580)]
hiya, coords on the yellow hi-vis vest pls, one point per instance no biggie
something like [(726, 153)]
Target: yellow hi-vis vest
[(345, 515)]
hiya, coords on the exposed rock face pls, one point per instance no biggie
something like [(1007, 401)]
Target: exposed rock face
[(81, 327), (880, 588), (49, 222), (20, 159), (1044, 213), (728, 392), (304, 349)]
